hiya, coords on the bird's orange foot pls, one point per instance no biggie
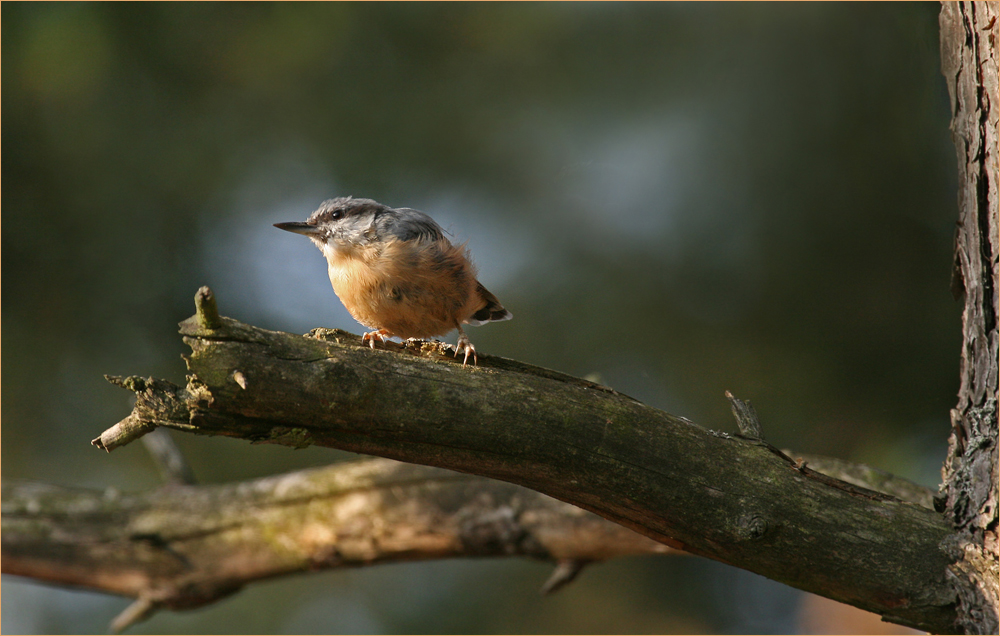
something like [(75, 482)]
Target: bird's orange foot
[(465, 345), (370, 337)]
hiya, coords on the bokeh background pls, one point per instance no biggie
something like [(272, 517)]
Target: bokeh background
[(679, 198)]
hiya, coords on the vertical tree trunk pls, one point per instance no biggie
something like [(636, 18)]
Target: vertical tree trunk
[(969, 33)]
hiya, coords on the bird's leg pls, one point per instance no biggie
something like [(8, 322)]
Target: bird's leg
[(370, 336), (465, 345)]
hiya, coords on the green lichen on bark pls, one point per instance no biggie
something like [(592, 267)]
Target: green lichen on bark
[(721, 496), (296, 437)]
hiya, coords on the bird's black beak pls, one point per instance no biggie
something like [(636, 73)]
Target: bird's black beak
[(298, 228)]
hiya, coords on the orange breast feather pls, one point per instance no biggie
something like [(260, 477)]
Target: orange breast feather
[(412, 289)]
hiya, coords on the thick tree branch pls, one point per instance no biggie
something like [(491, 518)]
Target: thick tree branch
[(736, 500), (183, 547), (969, 35), (186, 546)]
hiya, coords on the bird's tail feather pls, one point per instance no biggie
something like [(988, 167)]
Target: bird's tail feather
[(491, 311)]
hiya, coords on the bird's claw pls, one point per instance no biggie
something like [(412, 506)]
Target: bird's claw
[(370, 337), (465, 345)]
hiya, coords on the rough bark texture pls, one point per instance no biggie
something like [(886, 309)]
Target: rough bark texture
[(969, 34), (185, 546), (736, 500), (731, 498)]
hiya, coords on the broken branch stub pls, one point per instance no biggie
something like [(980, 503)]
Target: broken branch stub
[(736, 500)]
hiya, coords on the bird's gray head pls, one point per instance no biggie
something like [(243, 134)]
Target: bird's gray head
[(345, 223)]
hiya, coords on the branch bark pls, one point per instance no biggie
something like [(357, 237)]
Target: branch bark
[(969, 36), (185, 546), (732, 498), (736, 500)]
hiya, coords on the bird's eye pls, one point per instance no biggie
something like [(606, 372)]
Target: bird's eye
[(337, 214)]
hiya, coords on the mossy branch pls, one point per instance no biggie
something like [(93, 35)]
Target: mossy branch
[(181, 547), (726, 497)]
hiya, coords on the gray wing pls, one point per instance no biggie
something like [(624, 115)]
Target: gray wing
[(407, 225)]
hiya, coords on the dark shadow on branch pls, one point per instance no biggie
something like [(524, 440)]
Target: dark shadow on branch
[(733, 499)]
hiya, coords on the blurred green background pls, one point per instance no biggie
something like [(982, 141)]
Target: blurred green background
[(680, 198)]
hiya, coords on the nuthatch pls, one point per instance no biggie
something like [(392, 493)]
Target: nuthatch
[(397, 273)]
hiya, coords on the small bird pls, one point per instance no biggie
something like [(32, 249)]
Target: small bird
[(397, 273)]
